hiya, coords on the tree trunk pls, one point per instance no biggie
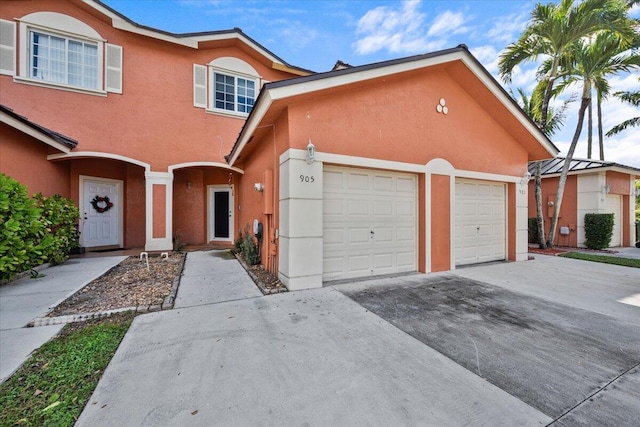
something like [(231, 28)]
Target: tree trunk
[(546, 98), (589, 129), (600, 137), (539, 212), (565, 169)]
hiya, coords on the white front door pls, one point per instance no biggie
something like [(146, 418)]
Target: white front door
[(101, 211), (480, 222), (369, 223), (220, 213), (613, 205)]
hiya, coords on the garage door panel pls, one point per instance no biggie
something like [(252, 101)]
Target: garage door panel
[(613, 205), (480, 222), (362, 201)]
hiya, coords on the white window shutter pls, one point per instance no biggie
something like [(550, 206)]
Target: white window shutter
[(199, 86), (113, 68), (7, 47)]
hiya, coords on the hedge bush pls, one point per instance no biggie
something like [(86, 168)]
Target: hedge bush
[(598, 229), (60, 216), (247, 246), (33, 231)]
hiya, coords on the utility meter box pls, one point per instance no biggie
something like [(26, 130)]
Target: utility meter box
[(564, 231)]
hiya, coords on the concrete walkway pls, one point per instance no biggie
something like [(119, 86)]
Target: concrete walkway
[(23, 300), (213, 276)]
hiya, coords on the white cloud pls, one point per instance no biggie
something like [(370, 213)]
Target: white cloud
[(508, 28), (488, 57), (402, 29), (448, 23)]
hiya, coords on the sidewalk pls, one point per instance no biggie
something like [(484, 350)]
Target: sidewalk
[(25, 299)]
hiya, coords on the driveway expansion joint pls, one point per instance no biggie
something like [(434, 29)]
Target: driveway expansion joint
[(599, 390)]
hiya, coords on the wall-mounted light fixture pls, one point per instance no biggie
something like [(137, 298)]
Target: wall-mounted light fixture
[(311, 152), (525, 178), (605, 189), (550, 203), (258, 186), (188, 185)]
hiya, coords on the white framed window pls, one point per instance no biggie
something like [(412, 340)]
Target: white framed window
[(233, 93), (57, 59), (59, 52), (226, 85)]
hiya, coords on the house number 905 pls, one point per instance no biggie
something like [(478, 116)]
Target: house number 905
[(307, 178)]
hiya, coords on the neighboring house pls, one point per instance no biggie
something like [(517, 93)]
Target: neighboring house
[(415, 164), (148, 116), (593, 186)]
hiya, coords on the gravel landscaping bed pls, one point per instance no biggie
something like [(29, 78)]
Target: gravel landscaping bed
[(128, 284)]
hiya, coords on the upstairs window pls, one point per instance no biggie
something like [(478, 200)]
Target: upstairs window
[(233, 93), (57, 51), (63, 60), (227, 86)]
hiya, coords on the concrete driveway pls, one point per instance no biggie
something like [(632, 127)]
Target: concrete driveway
[(440, 349)]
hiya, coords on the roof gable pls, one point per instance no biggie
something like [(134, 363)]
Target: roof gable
[(458, 58)]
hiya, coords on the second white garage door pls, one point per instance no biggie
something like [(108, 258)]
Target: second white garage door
[(480, 222), (369, 223), (614, 206)]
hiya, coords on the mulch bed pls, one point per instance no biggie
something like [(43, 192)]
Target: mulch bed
[(128, 284), (564, 249)]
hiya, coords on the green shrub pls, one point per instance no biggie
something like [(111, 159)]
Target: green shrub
[(533, 230), (249, 247), (34, 231), (60, 216), (598, 229), (23, 234)]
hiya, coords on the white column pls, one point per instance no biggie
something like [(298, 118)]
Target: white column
[(300, 254), (163, 179), (522, 223), (591, 199)]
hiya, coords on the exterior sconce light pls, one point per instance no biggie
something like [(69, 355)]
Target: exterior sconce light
[(258, 186), (525, 178), (605, 189), (550, 203), (311, 152), (188, 185)]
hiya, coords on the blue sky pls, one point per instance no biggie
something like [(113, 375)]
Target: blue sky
[(314, 34)]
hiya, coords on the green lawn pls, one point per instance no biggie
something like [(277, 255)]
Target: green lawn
[(627, 262), (53, 386)]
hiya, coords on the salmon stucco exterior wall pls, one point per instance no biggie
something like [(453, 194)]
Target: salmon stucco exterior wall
[(159, 122), (592, 186)]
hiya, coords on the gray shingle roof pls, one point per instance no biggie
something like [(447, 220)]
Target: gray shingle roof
[(63, 139)]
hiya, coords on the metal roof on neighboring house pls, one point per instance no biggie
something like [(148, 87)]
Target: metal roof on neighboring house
[(554, 166), (58, 137)]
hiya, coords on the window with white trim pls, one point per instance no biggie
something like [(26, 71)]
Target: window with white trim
[(233, 93), (54, 50), (58, 59), (226, 85)]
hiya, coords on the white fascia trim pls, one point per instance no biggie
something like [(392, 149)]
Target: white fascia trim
[(508, 103), (251, 125), (208, 164), (121, 24), (88, 154), (364, 162), (28, 130), (483, 176), (241, 37)]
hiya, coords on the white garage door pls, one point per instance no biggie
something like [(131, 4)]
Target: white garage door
[(480, 222), (613, 204), (369, 223)]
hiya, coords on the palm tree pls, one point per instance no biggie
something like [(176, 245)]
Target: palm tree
[(632, 98), (553, 29), (555, 119), (588, 61)]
